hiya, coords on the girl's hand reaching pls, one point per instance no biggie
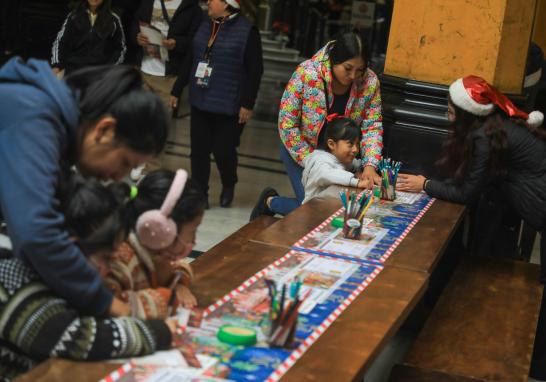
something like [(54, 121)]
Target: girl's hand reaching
[(365, 183), (185, 297)]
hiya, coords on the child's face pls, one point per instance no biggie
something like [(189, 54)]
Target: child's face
[(345, 151), (185, 241)]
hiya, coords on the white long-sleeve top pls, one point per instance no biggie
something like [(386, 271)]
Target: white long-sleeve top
[(322, 169)]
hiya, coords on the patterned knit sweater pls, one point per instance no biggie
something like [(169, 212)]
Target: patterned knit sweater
[(140, 277), (303, 109), (36, 324)]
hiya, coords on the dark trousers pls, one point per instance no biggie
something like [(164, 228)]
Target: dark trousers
[(217, 134)]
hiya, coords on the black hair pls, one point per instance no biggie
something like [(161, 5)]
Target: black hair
[(340, 129), (152, 191), (458, 150), (142, 121), (93, 212), (349, 44), (104, 24)]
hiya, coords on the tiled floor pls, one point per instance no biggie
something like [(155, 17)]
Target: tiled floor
[(259, 166)]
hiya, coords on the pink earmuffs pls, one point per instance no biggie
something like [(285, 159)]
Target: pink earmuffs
[(155, 229)]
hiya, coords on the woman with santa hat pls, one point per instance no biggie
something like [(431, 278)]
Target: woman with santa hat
[(224, 75), (494, 144)]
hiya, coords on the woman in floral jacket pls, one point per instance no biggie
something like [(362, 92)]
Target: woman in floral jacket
[(338, 72)]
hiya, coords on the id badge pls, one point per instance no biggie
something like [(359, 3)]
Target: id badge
[(203, 73)]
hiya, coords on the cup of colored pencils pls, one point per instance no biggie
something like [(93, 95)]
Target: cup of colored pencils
[(388, 169), (283, 313), (355, 210)]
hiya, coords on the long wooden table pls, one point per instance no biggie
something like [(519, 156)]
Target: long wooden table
[(352, 342), (420, 250)]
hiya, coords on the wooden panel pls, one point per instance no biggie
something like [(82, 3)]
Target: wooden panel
[(484, 323), (406, 373)]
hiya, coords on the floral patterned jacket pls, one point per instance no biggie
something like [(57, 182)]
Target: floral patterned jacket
[(303, 109)]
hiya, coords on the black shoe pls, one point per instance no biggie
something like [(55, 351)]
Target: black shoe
[(261, 207), (226, 197)]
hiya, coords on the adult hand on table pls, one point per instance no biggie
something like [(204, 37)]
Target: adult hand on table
[(244, 115), (410, 183), (370, 176)]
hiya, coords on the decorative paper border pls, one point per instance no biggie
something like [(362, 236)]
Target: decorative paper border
[(297, 246), (314, 336), (120, 373)]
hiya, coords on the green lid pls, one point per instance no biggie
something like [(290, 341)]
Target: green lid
[(377, 191), (237, 335), (337, 222)]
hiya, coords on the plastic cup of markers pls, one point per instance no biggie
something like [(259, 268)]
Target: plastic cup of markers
[(388, 192), (352, 229)]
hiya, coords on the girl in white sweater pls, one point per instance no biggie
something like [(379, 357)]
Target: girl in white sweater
[(334, 161)]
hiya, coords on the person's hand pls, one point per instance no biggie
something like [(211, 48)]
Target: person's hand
[(370, 175), (365, 183), (244, 115), (169, 43), (141, 39), (185, 297), (118, 308), (173, 102), (410, 183)]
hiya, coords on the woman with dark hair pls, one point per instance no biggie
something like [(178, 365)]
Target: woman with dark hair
[(102, 121), (93, 219), (336, 79), (493, 144), (91, 35)]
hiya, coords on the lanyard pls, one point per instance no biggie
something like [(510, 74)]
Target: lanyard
[(212, 39)]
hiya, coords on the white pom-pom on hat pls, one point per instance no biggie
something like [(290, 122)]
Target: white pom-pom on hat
[(535, 118)]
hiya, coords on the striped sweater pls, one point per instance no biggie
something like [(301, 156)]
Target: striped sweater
[(36, 324)]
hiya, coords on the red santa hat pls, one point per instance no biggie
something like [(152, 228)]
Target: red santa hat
[(234, 3), (477, 97)]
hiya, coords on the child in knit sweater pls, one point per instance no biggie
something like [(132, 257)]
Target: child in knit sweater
[(334, 161), (38, 324), (143, 275)]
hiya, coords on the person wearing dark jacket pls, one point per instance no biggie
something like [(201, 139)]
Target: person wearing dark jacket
[(95, 221), (178, 21), (91, 35), (224, 72), (102, 121), (494, 145)]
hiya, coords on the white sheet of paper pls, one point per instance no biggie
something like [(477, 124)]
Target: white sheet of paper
[(154, 36), (406, 197)]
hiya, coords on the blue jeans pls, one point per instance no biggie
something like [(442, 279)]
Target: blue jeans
[(283, 205)]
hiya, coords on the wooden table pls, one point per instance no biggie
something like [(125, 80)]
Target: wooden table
[(347, 348), (420, 250), (367, 325)]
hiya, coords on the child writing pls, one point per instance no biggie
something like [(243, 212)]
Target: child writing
[(39, 324), (334, 161), (164, 213)]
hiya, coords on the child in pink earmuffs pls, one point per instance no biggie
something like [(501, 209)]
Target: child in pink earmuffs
[(164, 213)]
